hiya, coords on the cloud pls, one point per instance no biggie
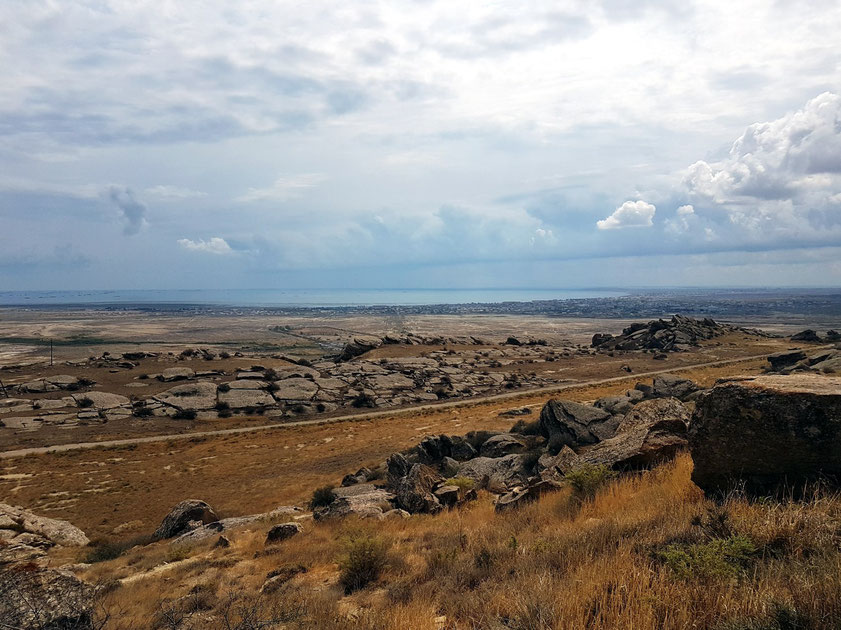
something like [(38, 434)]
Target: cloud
[(780, 180), (629, 214), (174, 192), (284, 187), (133, 211), (214, 245)]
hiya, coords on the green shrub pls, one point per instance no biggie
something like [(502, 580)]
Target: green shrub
[(142, 412), (363, 562), (465, 483), (587, 480), (719, 557), (185, 414), (85, 402), (322, 497), (222, 406), (223, 387)]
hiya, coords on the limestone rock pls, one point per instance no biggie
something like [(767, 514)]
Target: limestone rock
[(179, 518), (283, 531), (654, 431), (767, 432), (57, 531), (502, 471), (241, 398), (501, 445), (102, 400), (190, 397), (575, 424), (295, 389), (671, 386)]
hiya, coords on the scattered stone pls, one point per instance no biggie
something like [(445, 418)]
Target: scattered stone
[(498, 471), (414, 492), (767, 434), (521, 497)]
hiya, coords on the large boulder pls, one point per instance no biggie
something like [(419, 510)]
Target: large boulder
[(654, 431), (502, 445), (767, 433), (56, 531), (492, 471), (181, 517), (362, 500), (45, 599), (197, 396), (575, 424), (671, 386), (415, 492)]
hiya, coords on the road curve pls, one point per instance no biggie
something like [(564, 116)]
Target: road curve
[(467, 402)]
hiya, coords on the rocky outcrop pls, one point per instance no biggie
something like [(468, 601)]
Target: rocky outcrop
[(767, 433), (574, 424), (825, 361), (44, 599), (678, 333), (807, 336), (654, 431), (782, 360), (20, 521), (619, 405), (187, 515)]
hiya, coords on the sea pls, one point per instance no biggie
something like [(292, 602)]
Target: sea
[(296, 297)]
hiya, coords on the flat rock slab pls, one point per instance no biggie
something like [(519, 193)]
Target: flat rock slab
[(193, 396), (296, 389), (767, 433), (390, 382), (177, 374), (241, 398), (57, 531), (102, 400), (248, 384)]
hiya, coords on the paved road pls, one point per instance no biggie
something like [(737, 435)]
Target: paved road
[(366, 416)]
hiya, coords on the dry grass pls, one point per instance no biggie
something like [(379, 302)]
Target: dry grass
[(558, 563)]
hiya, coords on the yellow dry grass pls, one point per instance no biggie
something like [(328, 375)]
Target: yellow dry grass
[(560, 563)]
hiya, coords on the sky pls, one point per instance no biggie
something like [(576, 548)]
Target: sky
[(419, 144)]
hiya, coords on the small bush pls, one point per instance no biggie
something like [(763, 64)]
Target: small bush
[(720, 557), (103, 550), (225, 413), (222, 406), (223, 387), (176, 553), (142, 412), (270, 374), (272, 387), (224, 355), (185, 414), (86, 382), (587, 480), (85, 402), (365, 559), (322, 497)]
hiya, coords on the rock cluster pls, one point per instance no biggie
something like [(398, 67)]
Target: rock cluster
[(812, 336), (676, 334), (635, 430)]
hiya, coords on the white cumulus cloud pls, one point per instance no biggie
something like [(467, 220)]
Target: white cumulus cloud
[(629, 214), (214, 245)]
